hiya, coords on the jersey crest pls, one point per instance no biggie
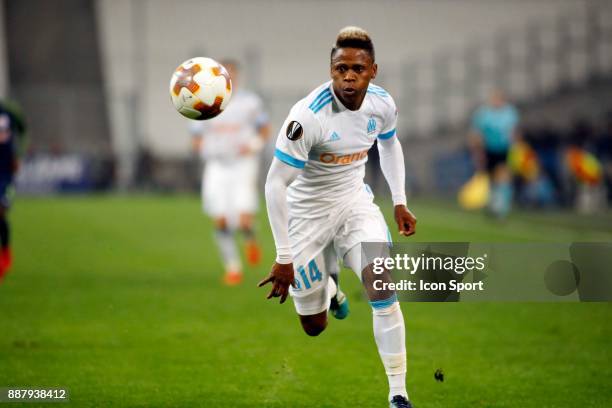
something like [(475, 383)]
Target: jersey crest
[(371, 126)]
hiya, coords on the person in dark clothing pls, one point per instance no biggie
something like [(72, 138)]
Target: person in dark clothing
[(8, 167), (494, 130), (604, 154)]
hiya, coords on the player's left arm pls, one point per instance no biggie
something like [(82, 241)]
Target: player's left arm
[(261, 122), (196, 129), (394, 170), (392, 166), (257, 143)]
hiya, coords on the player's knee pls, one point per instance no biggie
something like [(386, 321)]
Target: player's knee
[(221, 223), (376, 285), (501, 173), (315, 324), (314, 329), (246, 221), (386, 306)]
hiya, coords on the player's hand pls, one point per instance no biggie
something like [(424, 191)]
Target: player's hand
[(281, 277), (406, 221)]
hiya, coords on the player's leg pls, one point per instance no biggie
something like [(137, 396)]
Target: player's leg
[(503, 181), (314, 290), (501, 184), (224, 236), (246, 225), (339, 304), (312, 309), (388, 323), (364, 229), (216, 204), (314, 325), (245, 203), (5, 249)]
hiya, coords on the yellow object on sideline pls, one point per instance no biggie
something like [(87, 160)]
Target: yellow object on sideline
[(474, 194)]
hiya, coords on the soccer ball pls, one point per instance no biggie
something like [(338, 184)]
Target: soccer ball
[(200, 88)]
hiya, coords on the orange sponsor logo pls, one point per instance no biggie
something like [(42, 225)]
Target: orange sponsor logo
[(332, 158)]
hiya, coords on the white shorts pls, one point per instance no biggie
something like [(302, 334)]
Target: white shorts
[(230, 189), (318, 245)]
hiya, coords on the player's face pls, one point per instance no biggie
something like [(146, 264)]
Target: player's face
[(352, 69), (497, 99)]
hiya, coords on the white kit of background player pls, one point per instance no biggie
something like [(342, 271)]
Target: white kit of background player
[(230, 145)]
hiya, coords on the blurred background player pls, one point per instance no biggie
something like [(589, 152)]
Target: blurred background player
[(494, 129), (321, 211), (9, 127), (230, 145)]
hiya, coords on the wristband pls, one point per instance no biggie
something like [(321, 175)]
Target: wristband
[(283, 255)]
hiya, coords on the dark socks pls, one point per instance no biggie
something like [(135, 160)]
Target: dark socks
[(249, 233), (4, 233)]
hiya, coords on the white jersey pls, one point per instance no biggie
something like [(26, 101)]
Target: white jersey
[(331, 143), (225, 134)]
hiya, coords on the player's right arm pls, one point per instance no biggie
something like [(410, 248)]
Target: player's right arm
[(196, 129), (298, 134), (280, 176)]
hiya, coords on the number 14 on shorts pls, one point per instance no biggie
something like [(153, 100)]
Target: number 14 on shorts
[(313, 275)]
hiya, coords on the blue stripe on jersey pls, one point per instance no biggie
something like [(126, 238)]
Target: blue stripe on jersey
[(320, 97), (381, 304), (321, 104), (377, 90), (387, 135), (384, 95), (290, 160)]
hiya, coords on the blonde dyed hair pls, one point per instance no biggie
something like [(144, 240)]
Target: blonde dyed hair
[(354, 37)]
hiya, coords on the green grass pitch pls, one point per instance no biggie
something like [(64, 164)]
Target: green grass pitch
[(119, 299)]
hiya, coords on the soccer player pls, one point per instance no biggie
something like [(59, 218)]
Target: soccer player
[(321, 211), (230, 145), (8, 167), (494, 129)]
